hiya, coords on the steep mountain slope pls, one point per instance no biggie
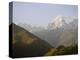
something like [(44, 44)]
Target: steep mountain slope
[(26, 44), (50, 36), (28, 27)]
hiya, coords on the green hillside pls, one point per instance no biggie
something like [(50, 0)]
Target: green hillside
[(26, 44)]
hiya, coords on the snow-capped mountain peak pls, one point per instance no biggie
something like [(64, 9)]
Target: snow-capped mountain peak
[(60, 21), (57, 22)]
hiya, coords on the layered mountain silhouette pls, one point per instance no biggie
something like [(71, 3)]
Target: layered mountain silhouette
[(25, 44)]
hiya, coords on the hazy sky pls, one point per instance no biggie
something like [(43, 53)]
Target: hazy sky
[(39, 14)]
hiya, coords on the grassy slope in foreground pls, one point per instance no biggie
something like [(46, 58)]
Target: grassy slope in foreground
[(26, 44)]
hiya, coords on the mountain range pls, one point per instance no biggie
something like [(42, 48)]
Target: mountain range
[(58, 28), (60, 37), (60, 31)]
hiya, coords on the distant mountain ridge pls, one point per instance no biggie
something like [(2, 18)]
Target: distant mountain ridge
[(55, 23), (63, 31)]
